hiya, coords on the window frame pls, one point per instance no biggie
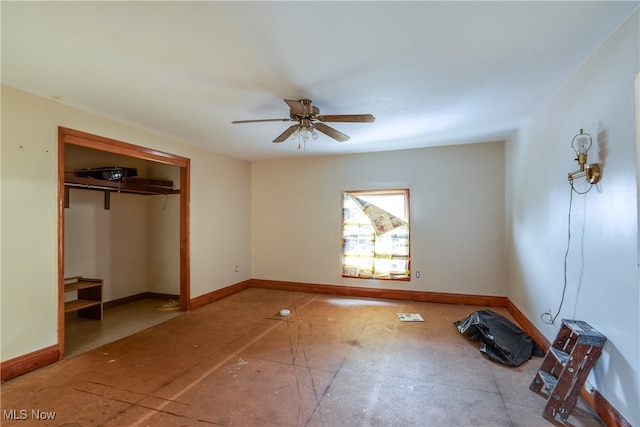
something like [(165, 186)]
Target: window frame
[(406, 276)]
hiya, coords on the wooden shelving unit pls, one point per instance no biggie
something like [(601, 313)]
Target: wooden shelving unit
[(89, 301)]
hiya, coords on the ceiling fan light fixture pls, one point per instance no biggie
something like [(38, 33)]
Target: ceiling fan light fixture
[(303, 132)]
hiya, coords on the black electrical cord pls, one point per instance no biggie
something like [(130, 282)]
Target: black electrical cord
[(578, 192), (551, 319)]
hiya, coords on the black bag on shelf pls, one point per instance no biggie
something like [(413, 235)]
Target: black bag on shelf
[(108, 173)]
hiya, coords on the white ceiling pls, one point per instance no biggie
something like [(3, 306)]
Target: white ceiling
[(432, 73)]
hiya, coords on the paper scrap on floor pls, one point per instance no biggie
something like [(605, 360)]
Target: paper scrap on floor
[(410, 317), (172, 305)]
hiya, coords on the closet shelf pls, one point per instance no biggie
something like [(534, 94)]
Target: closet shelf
[(108, 187), (89, 301), (116, 186)]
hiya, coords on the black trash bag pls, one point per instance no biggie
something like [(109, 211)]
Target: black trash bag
[(503, 341)]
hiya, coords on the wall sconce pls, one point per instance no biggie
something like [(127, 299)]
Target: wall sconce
[(581, 144)]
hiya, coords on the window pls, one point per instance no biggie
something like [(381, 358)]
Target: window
[(375, 234)]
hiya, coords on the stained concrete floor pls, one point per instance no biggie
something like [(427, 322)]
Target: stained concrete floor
[(82, 334), (335, 361)]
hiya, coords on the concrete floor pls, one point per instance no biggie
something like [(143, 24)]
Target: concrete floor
[(82, 334), (335, 361)]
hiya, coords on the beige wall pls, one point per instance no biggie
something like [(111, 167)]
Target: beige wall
[(456, 215), (134, 246), (220, 214), (107, 244), (602, 263), (163, 244)]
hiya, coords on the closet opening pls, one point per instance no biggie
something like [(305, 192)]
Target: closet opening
[(123, 238)]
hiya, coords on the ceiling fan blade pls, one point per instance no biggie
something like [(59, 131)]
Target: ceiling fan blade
[(360, 118), (327, 130), (298, 108), (261, 120), (286, 134)]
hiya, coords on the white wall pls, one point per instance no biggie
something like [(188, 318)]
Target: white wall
[(456, 216), (602, 273), (220, 214)]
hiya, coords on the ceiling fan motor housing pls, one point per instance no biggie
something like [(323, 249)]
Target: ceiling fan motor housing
[(311, 111)]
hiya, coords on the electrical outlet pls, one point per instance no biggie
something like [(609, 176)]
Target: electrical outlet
[(417, 274), (589, 387), (237, 269)]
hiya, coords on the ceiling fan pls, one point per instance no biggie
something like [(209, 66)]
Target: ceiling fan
[(309, 120)]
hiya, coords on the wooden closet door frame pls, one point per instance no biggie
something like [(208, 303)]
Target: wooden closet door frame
[(70, 136)]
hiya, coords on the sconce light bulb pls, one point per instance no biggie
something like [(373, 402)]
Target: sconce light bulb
[(581, 143)]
